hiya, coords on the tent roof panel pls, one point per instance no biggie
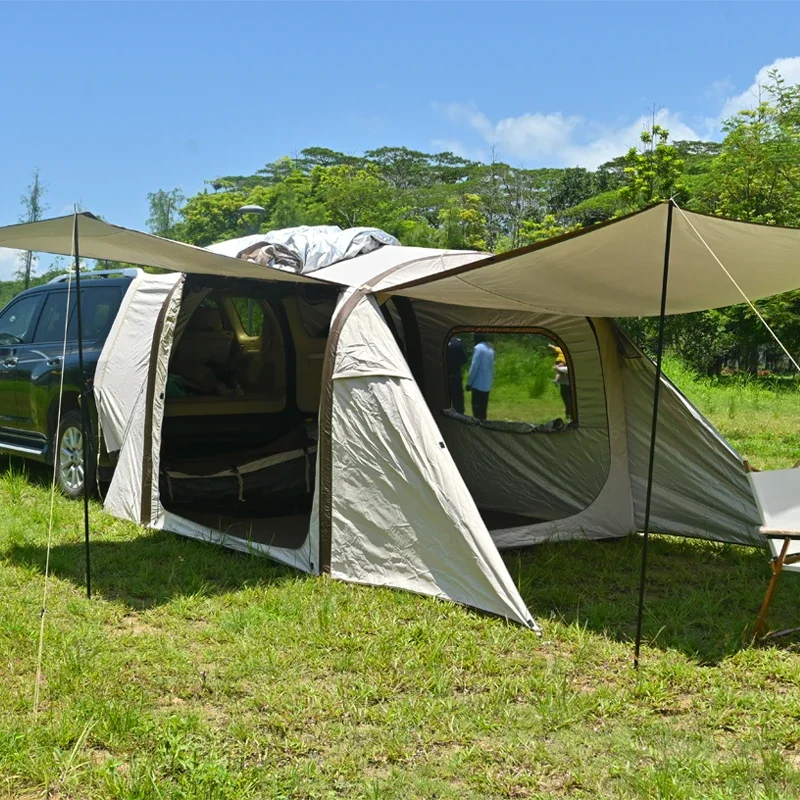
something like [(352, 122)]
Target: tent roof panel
[(99, 239), (390, 265)]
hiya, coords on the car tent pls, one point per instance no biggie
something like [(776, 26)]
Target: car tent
[(403, 490)]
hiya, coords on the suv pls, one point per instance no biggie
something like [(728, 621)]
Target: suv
[(33, 355)]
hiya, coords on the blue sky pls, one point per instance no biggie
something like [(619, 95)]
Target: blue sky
[(114, 100)]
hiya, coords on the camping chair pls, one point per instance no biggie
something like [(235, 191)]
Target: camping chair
[(777, 494)]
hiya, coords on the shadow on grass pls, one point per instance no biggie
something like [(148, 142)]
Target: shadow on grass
[(34, 472), (701, 598), (146, 569), (154, 568)]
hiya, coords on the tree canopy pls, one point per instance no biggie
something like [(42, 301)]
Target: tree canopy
[(444, 200)]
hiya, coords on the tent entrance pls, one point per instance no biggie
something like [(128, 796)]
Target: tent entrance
[(287, 532), (239, 436), (505, 520)]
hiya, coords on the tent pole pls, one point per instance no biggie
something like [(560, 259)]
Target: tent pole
[(84, 399), (656, 392)]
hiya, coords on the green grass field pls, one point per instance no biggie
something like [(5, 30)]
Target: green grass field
[(759, 417), (200, 673)]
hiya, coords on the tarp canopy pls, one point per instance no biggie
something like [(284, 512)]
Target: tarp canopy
[(99, 239), (615, 269)]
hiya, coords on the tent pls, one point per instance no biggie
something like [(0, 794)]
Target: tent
[(345, 454)]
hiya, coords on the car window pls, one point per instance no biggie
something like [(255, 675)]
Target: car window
[(18, 320), (251, 315), (52, 320), (99, 305)]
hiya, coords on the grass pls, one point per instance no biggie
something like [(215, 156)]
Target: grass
[(199, 673), (513, 402), (523, 388), (759, 417)]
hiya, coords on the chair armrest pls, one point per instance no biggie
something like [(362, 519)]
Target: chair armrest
[(770, 533)]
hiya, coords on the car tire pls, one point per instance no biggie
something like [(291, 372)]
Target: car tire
[(71, 472)]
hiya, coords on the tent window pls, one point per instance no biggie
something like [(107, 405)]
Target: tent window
[(510, 376)]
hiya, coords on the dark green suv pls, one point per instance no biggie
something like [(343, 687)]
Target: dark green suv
[(33, 355)]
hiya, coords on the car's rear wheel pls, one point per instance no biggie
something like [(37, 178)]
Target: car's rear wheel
[(72, 469)]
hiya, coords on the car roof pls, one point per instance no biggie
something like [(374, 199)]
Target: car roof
[(105, 278)]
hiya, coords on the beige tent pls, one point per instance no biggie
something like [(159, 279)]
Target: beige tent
[(338, 449)]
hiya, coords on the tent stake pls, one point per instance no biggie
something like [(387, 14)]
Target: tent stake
[(656, 392), (84, 399)]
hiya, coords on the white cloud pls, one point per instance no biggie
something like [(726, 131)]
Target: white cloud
[(556, 139), (560, 140), (458, 148), (10, 262), (720, 89), (606, 143), (789, 68)]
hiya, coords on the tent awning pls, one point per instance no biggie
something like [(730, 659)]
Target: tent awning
[(615, 269), (99, 239)]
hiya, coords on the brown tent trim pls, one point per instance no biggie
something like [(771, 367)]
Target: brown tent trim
[(147, 449), (325, 442)]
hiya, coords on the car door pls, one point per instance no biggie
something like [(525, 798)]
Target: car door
[(43, 360), (17, 324), (37, 377)]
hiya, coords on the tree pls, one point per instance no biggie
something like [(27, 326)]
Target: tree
[(276, 172), (443, 200), (356, 196), (210, 218), (598, 208), (463, 226), (569, 188), (548, 228), (653, 173), (164, 211), (756, 176), (402, 168), (313, 157), (292, 203), (33, 209)]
